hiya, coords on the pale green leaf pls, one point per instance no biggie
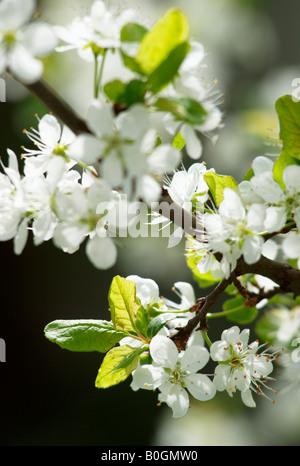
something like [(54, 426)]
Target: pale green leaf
[(169, 32), (217, 184), (83, 335), (123, 304), (117, 365)]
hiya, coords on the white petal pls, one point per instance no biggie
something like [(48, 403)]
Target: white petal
[(252, 248), (291, 245), (177, 399), (187, 294), (262, 164), (112, 170), (200, 386), (194, 358), (148, 189), (15, 13), (163, 351), (219, 351), (146, 289), (100, 118), (69, 236), (193, 143), (255, 218), (24, 66), (40, 39), (275, 218), (247, 398), (149, 377), (232, 207), (21, 237), (102, 252), (86, 148), (222, 374), (291, 176), (164, 159), (49, 130)]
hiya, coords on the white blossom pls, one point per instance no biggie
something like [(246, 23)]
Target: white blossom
[(175, 374), (22, 40), (240, 366)]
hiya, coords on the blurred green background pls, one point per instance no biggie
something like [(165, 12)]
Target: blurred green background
[(47, 394)]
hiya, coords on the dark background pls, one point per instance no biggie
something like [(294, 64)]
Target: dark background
[(47, 394)]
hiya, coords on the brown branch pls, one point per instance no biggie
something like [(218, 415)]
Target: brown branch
[(204, 305), (58, 106)]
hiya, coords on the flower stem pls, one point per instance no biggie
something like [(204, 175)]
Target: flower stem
[(206, 338)]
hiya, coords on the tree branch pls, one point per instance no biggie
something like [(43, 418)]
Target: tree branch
[(201, 308), (58, 106)]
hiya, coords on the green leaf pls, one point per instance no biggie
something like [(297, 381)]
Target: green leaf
[(83, 335), (237, 311), (283, 161), (133, 32), (158, 323), (217, 184), (126, 93), (289, 121), (118, 365), (169, 32), (142, 321), (183, 108), (124, 304), (167, 70)]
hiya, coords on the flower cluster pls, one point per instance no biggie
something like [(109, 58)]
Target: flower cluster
[(176, 373), (23, 42), (135, 128), (246, 213)]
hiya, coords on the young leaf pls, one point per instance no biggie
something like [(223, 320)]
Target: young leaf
[(237, 311), (83, 335), (142, 321), (133, 32), (117, 365), (217, 184), (283, 161), (288, 113), (169, 32), (123, 304), (167, 70), (183, 108), (158, 323), (126, 93)]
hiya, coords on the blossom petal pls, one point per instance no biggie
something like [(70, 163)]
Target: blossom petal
[(102, 252), (194, 358), (164, 351), (193, 143), (24, 66), (176, 398), (40, 39), (49, 130), (86, 148), (247, 398), (200, 386), (149, 377)]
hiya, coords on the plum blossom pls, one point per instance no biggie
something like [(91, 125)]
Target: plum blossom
[(235, 230), (240, 366), (51, 143), (22, 40), (82, 215), (175, 374), (123, 149), (100, 30), (282, 201)]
